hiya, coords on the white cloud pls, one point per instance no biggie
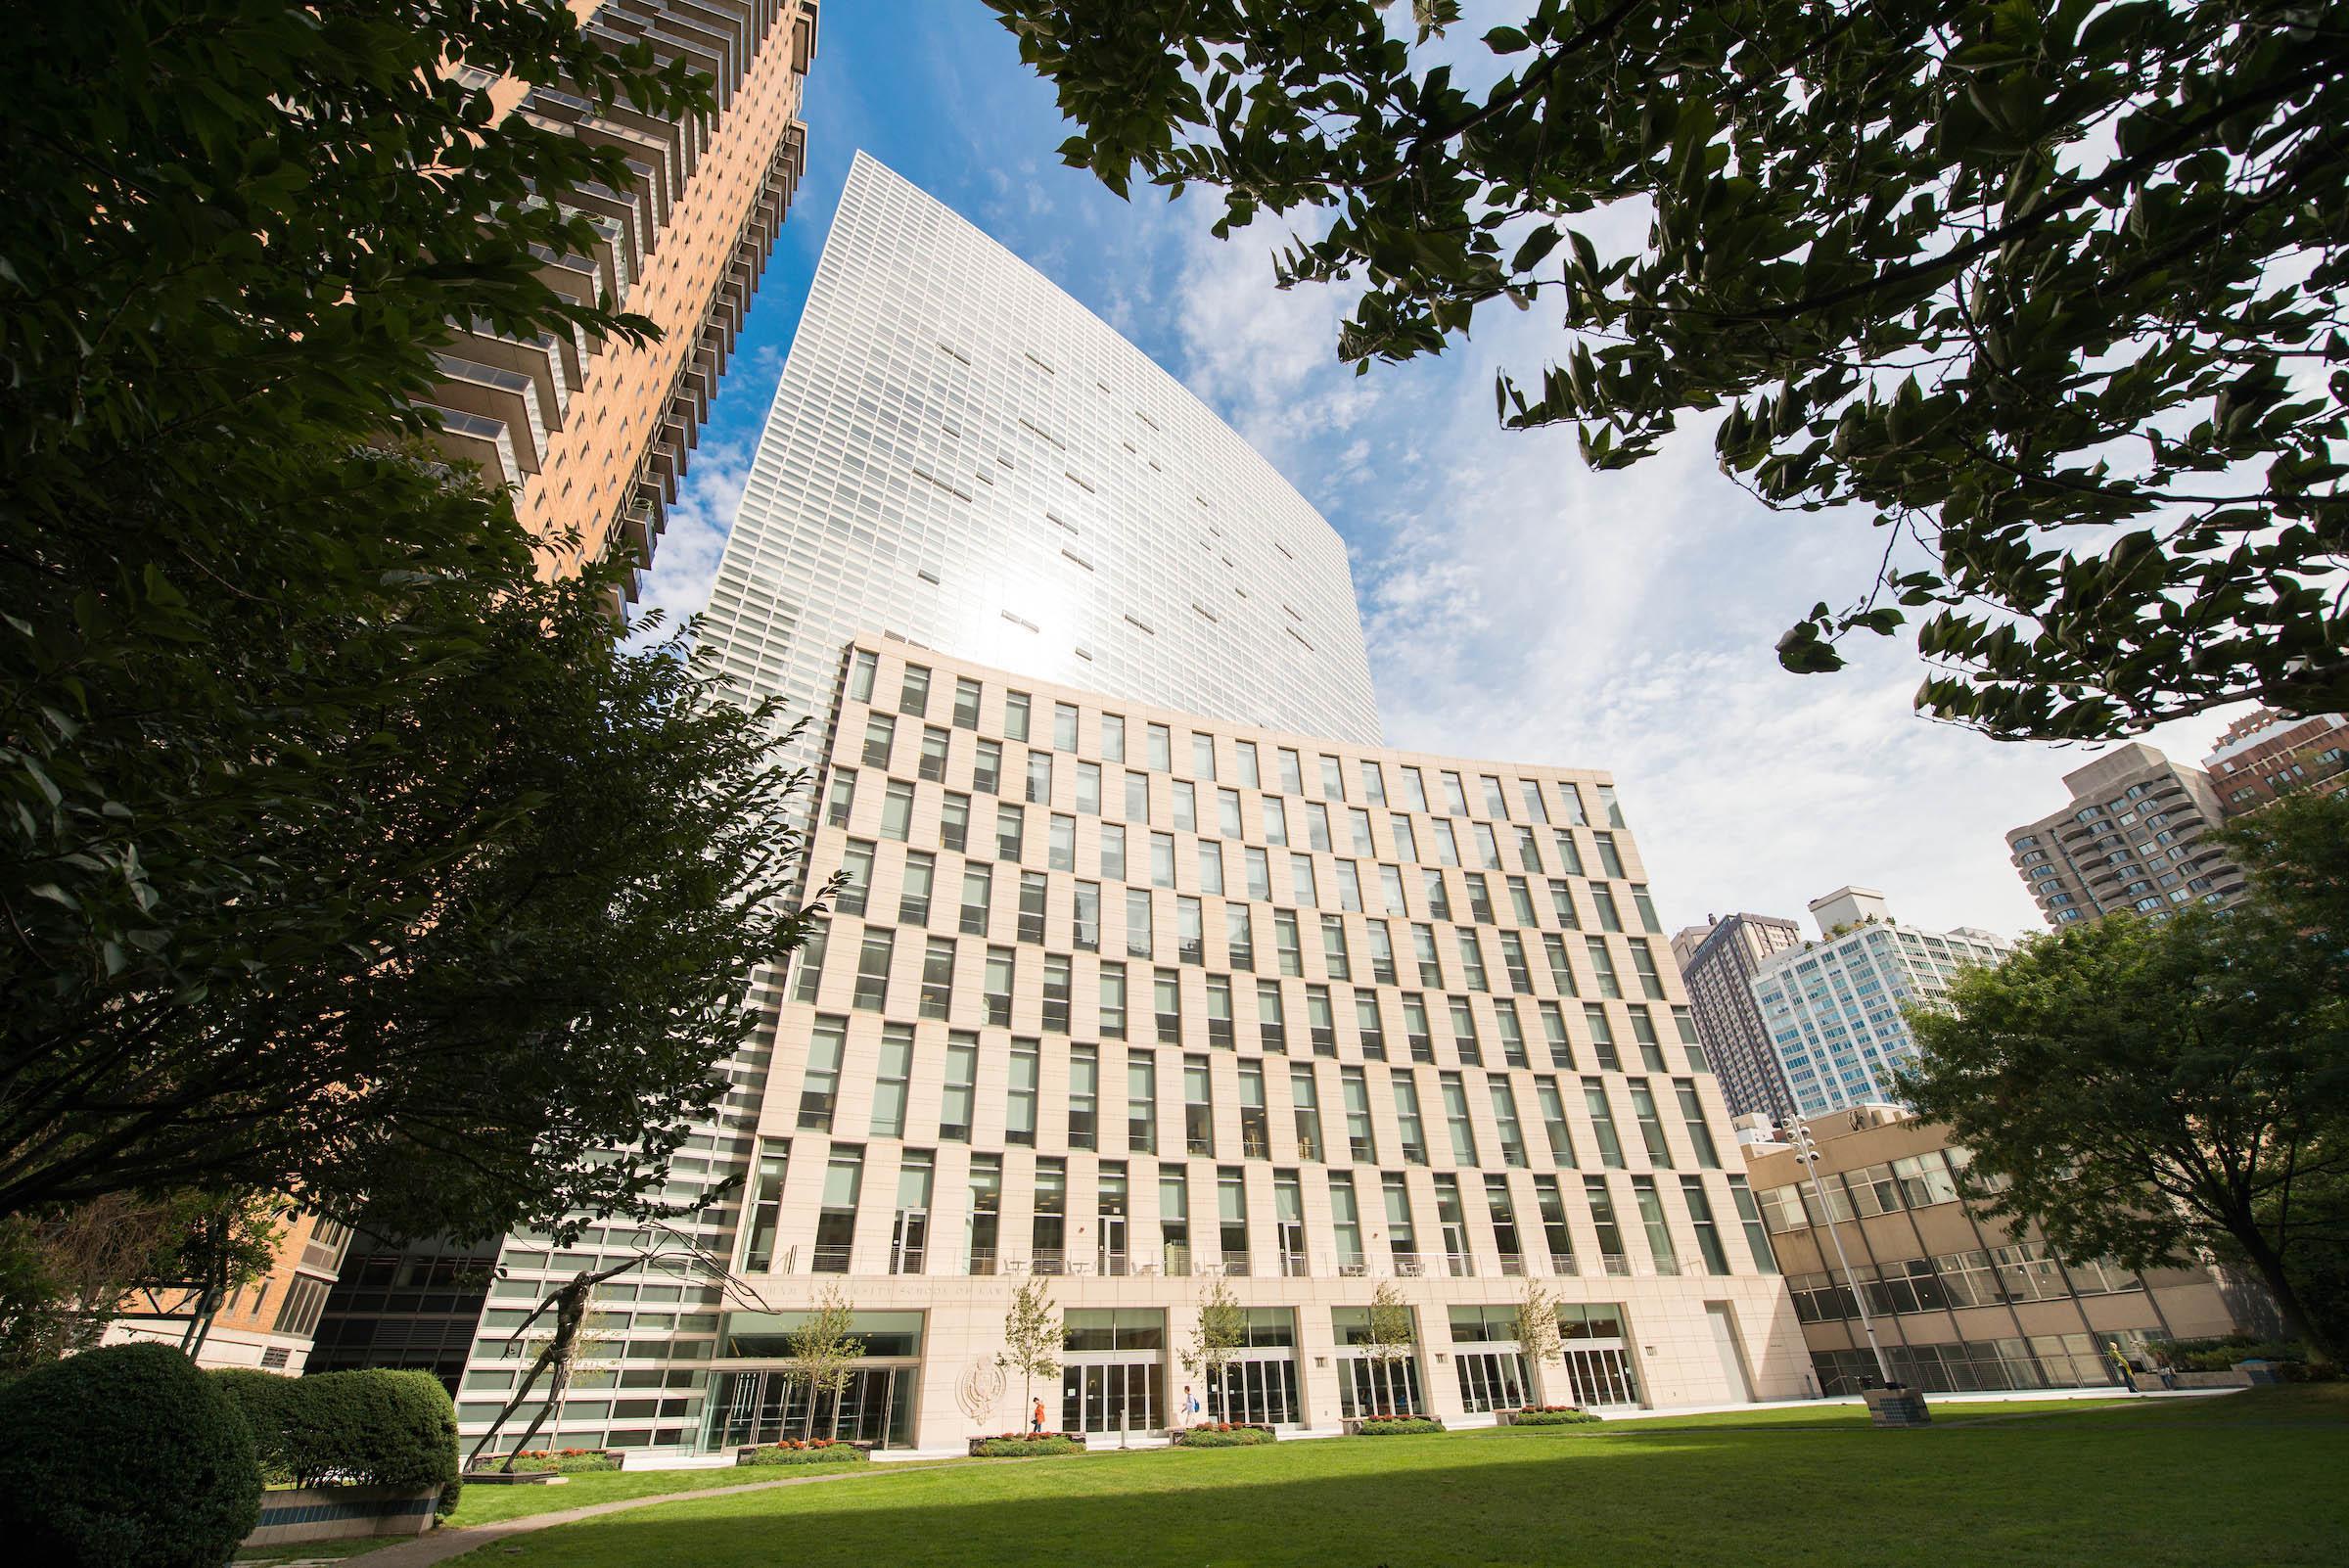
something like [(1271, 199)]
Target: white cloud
[(686, 557)]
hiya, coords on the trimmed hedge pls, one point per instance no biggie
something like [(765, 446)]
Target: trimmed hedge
[(1398, 1425), (1550, 1416), (369, 1428), (1222, 1435), (2217, 1355), (125, 1458), (1016, 1446), (818, 1451)]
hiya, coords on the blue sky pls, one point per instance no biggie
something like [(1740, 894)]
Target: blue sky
[(1518, 606)]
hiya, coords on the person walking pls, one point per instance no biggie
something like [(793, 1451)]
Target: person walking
[(1190, 1407), (1036, 1420)]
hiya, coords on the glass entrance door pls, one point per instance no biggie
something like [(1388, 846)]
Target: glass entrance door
[(1110, 1396), (1113, 1244), (1491, 1380), (758, 1407), (911, 1242), (1600, 1377), (1260, 1390)]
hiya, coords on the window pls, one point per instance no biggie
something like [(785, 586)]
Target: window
[(1162, 749), (835, 1220), (1057, 986), (986, 767), (1651, 1220), (1301, 881), (1011, 826), (1015, 715), (1039, 778), (1259, 867), (1455, 1119), (1757, 1237), (1334, 956), (1161, 860), (1198, 1108), (1406, 1117), (914, 697), (766, 1207), (1255, 1123), (1186, 806), (1292, 773), (1556, 1234), (1693, 1118), (933, 769), (1167, 1001), (1239, 939), (1064, 726), (1423, 944), (961, 1088), (955, 822), (1033, 886), (1113, 852), (1203, 755), (1455, 799), (1611, 1254), (1382, 954), (1211, 867), (879, 731), (1369, 1029), (872, 970), (891, 1078), (1231, 1214), (842, 799), (862, 669), (966, 703), (1439, 900), (977, 881), (1553, 1124), (1138, 943), (1602, 964), (1085, 1095), (1113, 737), (1060, 844), (1001, 963), (1276, 821), (1219, 1011), (856, 878), (1464, 1043), (1244, 752), (1504, 1117), (1320, 1022), (1602, 1124), (1285, 941), (1019, 1114), (1271, 1026), (1112, 1001), (1141, 1103), (819, 1089)]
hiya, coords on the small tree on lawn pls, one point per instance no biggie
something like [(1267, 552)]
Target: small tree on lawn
[(1032, 1337), (1390, 1342), (1221, 1328), (1536, 1331), (822, 1350)]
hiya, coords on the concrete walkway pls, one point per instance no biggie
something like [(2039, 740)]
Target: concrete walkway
[(442, 1545)]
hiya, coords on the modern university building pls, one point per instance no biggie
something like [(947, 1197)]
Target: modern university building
[(1152, 966)]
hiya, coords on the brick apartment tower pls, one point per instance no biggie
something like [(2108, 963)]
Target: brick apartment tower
[(591, 435), (1718, 962)]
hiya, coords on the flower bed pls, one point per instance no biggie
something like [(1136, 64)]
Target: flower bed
[(1547, 1416), (562, 1462), (1025, 1444), (1223, 1435), (1394, 1425), (814, 1450)]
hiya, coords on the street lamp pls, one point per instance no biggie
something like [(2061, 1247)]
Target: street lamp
[(1808, 1152)]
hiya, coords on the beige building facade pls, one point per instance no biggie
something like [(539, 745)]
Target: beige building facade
[(1961, 1301), (2129, 838), (1141, 1001)]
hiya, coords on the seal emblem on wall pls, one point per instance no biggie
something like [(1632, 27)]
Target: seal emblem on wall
[(982, 1386)]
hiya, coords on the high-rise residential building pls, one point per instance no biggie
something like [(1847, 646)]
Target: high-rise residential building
[(961, 456), (1961, 1300), (1150, 967), (2130, 838), (1832, 1007), (593, 436), (590, 437), (1718, 962), (2266, 755)]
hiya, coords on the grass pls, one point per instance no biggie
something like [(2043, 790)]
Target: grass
[(2253, 1479)]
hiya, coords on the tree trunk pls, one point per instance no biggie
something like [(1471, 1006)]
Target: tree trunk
[(2298, 1322)]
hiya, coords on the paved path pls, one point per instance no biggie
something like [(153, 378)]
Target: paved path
[(442, 1545)]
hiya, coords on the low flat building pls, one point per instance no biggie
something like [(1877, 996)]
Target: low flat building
[(2267, 755), (266, 1324), (1961, 1301)]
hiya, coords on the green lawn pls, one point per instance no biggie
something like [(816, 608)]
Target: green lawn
[(2255, 1479)]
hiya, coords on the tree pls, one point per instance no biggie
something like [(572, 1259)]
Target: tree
[(1388, 1345), (2056, 290), (1535, 1328), (822, 1350), (563, 856), (66, 1276), (1221, 1328), (338, 854), (2150, 1090), (1032, 1337)]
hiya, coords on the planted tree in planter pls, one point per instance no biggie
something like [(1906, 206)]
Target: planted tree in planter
[(822, 1350), (1221, 1328), (1032, 1337), (1391, 1338), (1536, 1331)]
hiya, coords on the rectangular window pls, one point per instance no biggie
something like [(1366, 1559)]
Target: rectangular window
[(913, 896), (966, 703), (1166, 999), (879, 731), (1416, 1036), (1504, 1116), (835, 1220), (1112, 1001), (1211, 867), (1113, 852), (914, 697), (1138, 943), (1039, 778), (1382, 954), (1018, 1110), (1231, 1214), (1757, 1236), (1285, 942), (1602, 1124), (1406, 1117), (1011, 828), (986, 767), (1320, 1021), (1602, 964), (1256, 1119), (1369, 1028), (1161, 860), (1198, 1108), (1186, 806), (1651, 1125), (961, 1089), (955, 822), (856, 878), (1556, 1233), (1239, 939), (1374, 783), (842, 799), (1651, 1220), (1219, 1011), (1302, 887), (1060, 848), (933, 769), (1084, 1093), (938, 978), (1034, 886), (1000, 962), (1305, 1109), (1700, 1218), (1692, 1117), (1553, 1034), (1064, 726), (1203, 755), (1611, 1254), (1464, 1043), (862, 669), (1456, 1121), (1113, 737), (1057, 986), (1334, 956), (763, 1215), (1553, 1124), (1162, 749), (978, 881), (819, 1090), (1089, 789), (1361, 1141), (1259, 867), (1142, 1102), (872, 970), (1015, 715), (1227, 812), (1271, 1026), (890, 1080)]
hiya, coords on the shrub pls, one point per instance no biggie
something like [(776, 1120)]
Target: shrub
[(125, 1458), (1223, 1435), (1550, 1416), (2220, 1352), (370, 1428), (821, 1451), (1019, 1445), (1398, 1425), (562, 1462)]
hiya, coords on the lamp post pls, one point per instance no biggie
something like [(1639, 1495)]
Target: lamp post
[(1808, 1152)]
